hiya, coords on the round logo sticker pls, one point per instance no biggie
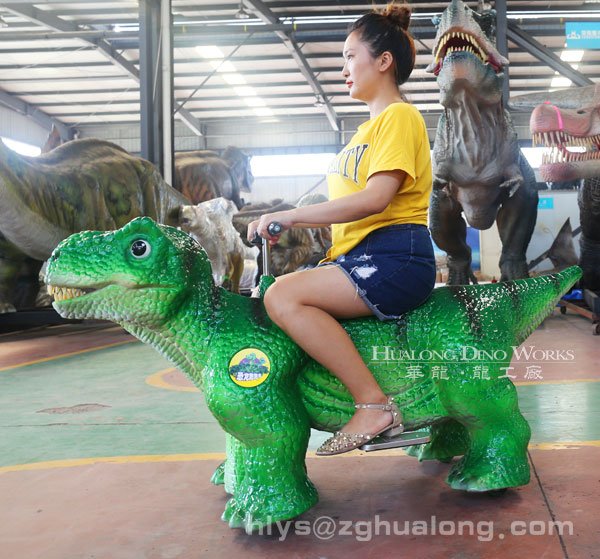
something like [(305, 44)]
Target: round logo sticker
[(249, 367)]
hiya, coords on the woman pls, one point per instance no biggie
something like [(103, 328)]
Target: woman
[(381, 261)]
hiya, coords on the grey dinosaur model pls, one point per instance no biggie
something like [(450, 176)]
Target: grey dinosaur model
[(478, 168)]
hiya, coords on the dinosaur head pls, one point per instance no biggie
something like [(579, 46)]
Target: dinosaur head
[(239, 164), (560, 129), (139, 274), (464, 54)]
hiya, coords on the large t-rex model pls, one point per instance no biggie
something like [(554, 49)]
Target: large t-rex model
[(445, 363), (203, 175), (478, 168), (556, 126), (83, 184)]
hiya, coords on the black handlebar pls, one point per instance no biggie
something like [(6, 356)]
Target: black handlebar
[(274, 228)]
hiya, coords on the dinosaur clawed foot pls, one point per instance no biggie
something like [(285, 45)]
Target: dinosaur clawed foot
[(488, 474), (460, 273), (258, 507)]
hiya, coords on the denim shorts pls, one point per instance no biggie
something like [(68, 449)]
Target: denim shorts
[(392, 268)]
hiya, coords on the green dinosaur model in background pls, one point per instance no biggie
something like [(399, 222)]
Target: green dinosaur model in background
[(266, 393), (83, 184)]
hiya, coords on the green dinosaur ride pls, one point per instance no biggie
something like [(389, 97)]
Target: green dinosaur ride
[(444, 363)]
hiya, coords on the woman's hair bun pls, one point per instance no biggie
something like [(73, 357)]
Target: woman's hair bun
[(398, 14)]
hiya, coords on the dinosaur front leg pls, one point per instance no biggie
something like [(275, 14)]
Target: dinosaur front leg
[(274, 486), (449, 231), (268, 431), (516, 221)]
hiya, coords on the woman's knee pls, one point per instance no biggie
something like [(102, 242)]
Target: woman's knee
[(278, 302)]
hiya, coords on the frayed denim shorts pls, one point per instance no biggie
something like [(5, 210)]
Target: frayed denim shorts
[(392, 268)]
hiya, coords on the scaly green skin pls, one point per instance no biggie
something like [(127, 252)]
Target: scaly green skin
[(167, 299)]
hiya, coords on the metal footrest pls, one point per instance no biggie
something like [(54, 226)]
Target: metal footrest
[(405, 439)]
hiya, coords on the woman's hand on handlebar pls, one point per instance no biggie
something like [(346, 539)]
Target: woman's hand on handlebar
[(260, 225)]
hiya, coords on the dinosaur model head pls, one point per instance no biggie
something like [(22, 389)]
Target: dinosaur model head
[(465, 56), (137, 275), (559, 129), (239, 165)]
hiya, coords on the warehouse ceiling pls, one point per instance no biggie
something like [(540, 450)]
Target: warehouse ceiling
[(77, 62)]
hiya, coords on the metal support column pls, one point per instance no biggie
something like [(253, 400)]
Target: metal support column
[(167, 90), (502, 45), (156, 78)]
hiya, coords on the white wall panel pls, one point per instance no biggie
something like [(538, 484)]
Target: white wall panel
[(21, 128), (290, 189)]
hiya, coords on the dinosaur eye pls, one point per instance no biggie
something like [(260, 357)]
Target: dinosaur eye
[(140, 249)]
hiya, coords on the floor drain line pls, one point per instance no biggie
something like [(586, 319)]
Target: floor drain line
[(560, 538)]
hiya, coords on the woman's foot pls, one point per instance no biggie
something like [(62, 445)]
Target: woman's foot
[(368, 421)]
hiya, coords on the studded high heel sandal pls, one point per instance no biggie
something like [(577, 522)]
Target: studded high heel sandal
[(345, 442)]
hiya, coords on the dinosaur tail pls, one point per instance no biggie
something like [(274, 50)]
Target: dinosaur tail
[(534, 298)]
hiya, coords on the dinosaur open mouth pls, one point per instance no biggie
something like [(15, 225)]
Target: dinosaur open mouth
[(459, 41), (64, 293), (558, 140)]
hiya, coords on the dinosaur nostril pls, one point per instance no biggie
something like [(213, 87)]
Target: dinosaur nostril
[(55, 254)]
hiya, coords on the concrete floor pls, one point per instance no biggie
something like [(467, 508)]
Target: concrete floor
[(106, 451)]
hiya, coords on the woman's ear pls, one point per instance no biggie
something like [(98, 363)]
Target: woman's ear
[(385, 61)]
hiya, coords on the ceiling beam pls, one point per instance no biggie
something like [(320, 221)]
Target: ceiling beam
[(530, 45), (36, 114), (259, 8), (49, 20)]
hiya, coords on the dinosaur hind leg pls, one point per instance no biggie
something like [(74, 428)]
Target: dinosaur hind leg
[(516, 222), (498, 433)]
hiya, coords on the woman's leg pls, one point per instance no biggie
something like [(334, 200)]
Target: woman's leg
[(306, 305)]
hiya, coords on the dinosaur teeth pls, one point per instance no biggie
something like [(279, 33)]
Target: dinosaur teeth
[(64, 293), (471, 46)]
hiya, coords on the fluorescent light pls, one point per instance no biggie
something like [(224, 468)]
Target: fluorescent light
[(560, 81), (571, 55), (245, 91), (234, 79), (254, 102), (263, 111), (222, 66), (210, 51), (22, 147)]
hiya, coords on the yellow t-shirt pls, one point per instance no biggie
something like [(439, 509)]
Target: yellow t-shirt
[(396, 139)]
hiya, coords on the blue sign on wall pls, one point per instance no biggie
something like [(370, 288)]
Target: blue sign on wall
[(546, 203), (583, 34)]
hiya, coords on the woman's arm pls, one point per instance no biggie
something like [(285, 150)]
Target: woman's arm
[(378, 193)]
